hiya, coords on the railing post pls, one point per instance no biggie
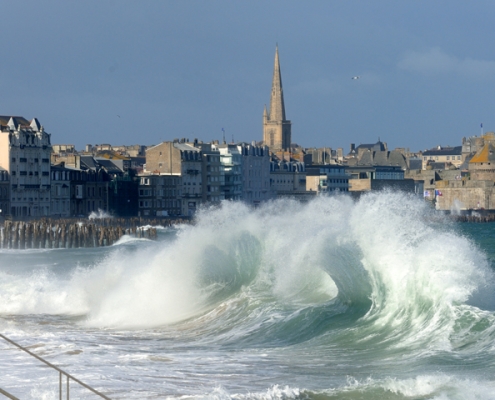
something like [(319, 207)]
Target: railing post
[(55, 368)]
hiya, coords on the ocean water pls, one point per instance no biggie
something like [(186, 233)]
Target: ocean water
[(376, 298)]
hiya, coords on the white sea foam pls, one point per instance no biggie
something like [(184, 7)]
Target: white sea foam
[(434, 387), (382, 246), (100, 214), (245, 299)]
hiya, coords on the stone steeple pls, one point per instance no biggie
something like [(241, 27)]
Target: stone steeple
[(276, 129), (277, 108)]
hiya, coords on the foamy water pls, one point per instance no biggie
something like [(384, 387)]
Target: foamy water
[(374, 299)]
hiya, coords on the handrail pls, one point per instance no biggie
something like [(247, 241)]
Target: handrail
[(56, 368), (7, 394)]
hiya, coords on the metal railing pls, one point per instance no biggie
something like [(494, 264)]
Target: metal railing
[(61, 374), (7, 394)]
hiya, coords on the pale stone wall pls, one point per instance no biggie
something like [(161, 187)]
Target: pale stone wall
[(313, 183), (163, 158), (481, 174), (465, 195), (359, 185)]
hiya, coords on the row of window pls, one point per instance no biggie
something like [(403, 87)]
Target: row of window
[(24, 159), (30, 173), (161, 181), (159, 203), (158, 192), (426, 158)]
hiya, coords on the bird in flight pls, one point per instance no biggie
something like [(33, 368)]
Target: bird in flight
[(355, 77)]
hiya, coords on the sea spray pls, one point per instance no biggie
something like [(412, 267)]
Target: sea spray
[(335, 298), (419, 273)]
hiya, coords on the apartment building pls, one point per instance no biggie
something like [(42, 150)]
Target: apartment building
[(178, 159), (255, 173), (327, 179), (25, 155), (160, 195), (447, 156), (231, 161)]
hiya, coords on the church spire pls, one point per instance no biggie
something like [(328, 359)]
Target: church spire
[(277, 107), (276, 129)]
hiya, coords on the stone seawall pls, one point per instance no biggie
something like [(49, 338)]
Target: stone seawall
[(73, 233)]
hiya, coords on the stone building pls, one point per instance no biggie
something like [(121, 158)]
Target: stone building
[(180, 159), (369, 155), (276, 128), (469, 190), (25, 154)]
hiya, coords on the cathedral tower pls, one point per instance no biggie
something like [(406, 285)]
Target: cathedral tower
[(276, 129)]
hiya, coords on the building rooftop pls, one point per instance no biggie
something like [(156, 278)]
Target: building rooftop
[(486, 155), (444, 151)]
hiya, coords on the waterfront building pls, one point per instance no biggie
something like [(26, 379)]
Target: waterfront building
[(366, 178), (78, 192), (160, 195), (231, 161), (60, 190), (25, 154), (277, 130), (327, 178), (288, 179), (256, 163), (213, 174), (182, 159)]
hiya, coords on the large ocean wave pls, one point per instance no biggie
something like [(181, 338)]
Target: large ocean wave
[(379, 271)]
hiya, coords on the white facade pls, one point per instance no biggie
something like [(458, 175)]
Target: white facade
[(255, 173), (25, 153), (231, 160)]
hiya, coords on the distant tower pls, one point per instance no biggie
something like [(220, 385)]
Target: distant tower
[(276, 129)]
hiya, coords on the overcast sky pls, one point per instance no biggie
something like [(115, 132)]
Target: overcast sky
[(141, 72)]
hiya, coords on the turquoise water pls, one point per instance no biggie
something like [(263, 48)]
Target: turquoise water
[(335, 299)]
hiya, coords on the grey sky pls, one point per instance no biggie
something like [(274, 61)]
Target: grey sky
[(128, 72)]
